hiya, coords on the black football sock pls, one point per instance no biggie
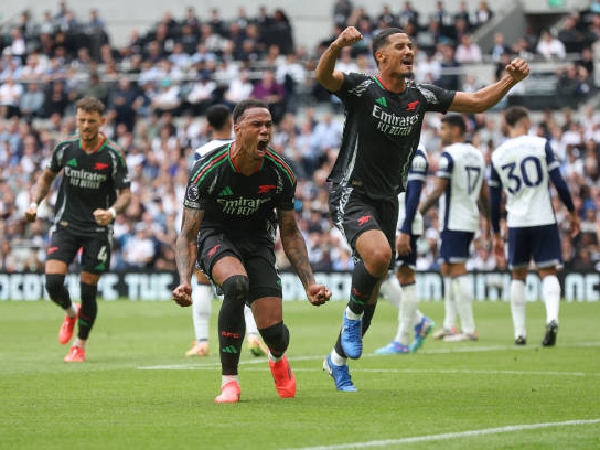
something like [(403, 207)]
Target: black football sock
[(363, 284), (88, 312), (231, 323)]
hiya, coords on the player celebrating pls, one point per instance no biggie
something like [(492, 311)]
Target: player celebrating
[(384, 114), (220, 122), (523, 166), (236, 197), (94, 189)]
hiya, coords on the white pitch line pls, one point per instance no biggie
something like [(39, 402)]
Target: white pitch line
[(455, 435), (387, 370), (460, 349), (210, 366)]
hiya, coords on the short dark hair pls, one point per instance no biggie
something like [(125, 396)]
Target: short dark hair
[(217, 116), (91, 105), (455, 120), (242, 106), (381, 38), (513, 114)]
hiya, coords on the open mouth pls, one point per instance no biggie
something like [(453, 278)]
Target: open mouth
[(262, 145)]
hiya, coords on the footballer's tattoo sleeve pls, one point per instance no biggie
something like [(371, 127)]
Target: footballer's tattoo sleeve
[(185, 244), (295, 247)]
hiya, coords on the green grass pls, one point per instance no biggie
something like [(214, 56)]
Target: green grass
[(138, 391)]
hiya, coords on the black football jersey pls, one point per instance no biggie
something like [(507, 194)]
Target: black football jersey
[(89, 181), (241, 205), (381, 132)]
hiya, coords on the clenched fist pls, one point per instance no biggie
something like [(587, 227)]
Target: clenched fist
[(182, 295)]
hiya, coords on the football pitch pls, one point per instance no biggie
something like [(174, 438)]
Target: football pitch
[(138, 391)]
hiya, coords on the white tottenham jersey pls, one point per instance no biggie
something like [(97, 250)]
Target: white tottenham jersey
[(418, 171), (521, 166), (464, 167), (210, 145)]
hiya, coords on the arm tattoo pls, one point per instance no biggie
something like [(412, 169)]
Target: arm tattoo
[(295, 247), (185, 245)]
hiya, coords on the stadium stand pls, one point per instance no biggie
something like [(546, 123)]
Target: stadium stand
[(158, 78)]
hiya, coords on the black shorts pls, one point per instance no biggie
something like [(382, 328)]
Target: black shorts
[(354, 213), (257, 256), (95, 256)]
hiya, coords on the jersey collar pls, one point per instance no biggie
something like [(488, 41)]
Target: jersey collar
[(380, 82), (98, 147), (235, 167)]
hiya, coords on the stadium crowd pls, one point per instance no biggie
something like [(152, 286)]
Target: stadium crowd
[(158, 85)]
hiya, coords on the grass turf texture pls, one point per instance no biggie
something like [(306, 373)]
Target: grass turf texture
[(137, 390)]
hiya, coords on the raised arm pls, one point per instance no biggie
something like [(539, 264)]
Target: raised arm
[(185, 254), (39, 192), (325, 74), (486, 97), (295, 249)]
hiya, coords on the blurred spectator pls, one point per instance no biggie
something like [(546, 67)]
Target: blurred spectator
[(342, 9), (483, 14), (345, 63), (468, 51), (450, 77), (96, 88), (18, 48), (202, 94), (463, 15), (292, 74), (280, 32), (57, 101), (443, 20), (122, 103), (499, 47), (427, 68), (408, 14), (10, 98), (273, 93), (167, 98), (32, 102), (238, 89), (550, 47), (139, 250), (483, 258)]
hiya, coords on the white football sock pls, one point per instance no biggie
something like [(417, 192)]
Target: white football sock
[(418, 317), (517, 307), (464, 303), (551, 291), (351, 315), (391, 290), (251, 327), (449, 305), (336, 359), (202, 296), (228, 378), (274, 358), (72, 311), (406, 313)]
